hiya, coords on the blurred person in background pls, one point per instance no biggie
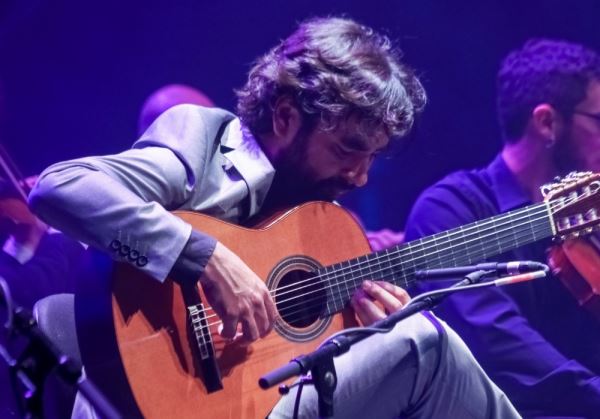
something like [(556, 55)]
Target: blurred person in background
[(534, 340)]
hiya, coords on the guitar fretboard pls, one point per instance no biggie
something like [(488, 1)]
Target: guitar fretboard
[(464, 245)]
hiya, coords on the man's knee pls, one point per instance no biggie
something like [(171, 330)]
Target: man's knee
[(430, 335)]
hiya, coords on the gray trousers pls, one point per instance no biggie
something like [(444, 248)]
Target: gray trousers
[(421, 369)]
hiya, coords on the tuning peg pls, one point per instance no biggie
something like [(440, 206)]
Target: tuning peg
[(549, 188)]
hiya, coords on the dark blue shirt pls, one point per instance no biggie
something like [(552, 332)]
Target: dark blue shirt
[(532, 338)]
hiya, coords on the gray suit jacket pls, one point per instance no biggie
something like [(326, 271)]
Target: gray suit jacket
[(191, 158)]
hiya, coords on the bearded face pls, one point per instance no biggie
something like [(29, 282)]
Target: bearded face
[(324, 163), (579, 146)]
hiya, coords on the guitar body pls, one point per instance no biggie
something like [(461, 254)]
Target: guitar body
[(134, 331)]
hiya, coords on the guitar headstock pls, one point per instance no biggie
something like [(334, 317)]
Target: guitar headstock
[(574, 203)]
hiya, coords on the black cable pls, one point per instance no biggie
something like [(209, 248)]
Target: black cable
[(297, 402)]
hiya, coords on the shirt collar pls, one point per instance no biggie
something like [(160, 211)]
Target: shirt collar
[(243, 151), (508, 191)]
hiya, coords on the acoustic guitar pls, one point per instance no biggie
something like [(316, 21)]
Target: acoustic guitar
[(155, 350)]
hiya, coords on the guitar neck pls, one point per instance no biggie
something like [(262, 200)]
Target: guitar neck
[(460, 246)]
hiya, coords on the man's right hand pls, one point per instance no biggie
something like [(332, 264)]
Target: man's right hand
[(237, 295)]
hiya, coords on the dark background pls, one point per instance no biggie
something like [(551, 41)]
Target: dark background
[(75, 73)]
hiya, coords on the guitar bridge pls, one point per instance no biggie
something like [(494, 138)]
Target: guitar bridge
[(199, 330), (201, 340)]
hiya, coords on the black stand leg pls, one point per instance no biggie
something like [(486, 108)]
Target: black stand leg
[(325, 381)]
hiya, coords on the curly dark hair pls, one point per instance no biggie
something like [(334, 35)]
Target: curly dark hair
[(333, 68), (542, 71)]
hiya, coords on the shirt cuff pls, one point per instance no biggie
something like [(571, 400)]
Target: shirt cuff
[(191, 262)]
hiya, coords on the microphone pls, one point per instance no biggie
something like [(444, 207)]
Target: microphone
[(341, 341), (474, 281), (496, 268), (513, 279)]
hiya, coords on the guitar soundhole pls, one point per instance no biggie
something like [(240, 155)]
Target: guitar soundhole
[(300, 298)]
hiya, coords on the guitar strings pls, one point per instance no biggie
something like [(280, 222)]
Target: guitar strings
[(467, 234), (475, 254), (335, 273), (341, 298), (479, 234), (506, 219), (357, 267)]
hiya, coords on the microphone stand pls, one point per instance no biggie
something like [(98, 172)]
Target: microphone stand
[(37, 361), (320, 362)]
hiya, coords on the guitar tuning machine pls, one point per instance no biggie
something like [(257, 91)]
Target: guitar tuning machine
[(560, 183), (577, 176), (549, 188)]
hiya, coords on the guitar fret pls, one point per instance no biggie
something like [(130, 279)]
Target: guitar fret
[(531, 225), (496, 240), (437, 250), (329, 294), (386, 266), (512, 232), (380, 269), (464, 254), (402, 270), (480, 241), (367, 267), (443, 241), (449, 248), (346, 278), (413, 253)]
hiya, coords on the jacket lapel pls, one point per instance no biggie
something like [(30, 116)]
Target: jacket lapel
[(242, 151)]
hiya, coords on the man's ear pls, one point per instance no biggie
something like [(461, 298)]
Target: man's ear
[(547, 123), (287, 120)]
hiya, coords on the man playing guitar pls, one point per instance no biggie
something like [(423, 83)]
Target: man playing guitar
[(315, 112)]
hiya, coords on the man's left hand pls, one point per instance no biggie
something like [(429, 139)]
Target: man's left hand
[(376, 299)]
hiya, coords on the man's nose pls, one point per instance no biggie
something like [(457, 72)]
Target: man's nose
[(358, 175)]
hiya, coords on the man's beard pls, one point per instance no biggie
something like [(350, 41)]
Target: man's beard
[(295, 182), (565, 156)]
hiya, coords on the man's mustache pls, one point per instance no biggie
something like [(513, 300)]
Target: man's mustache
[(336, 185)]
